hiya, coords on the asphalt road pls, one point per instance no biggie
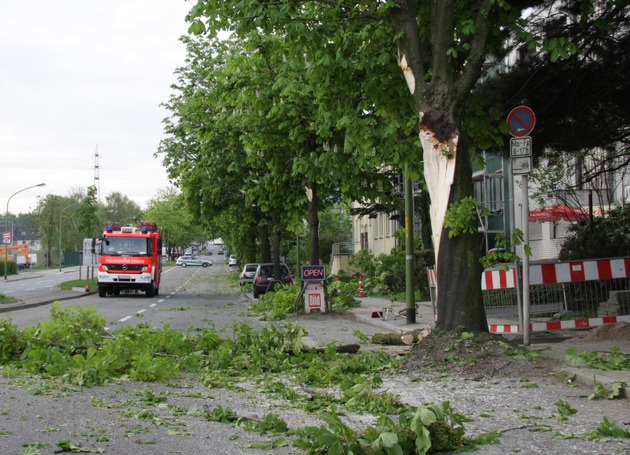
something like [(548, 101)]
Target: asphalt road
[(525, 411), (34, 282), (39, 414), (191, 290)]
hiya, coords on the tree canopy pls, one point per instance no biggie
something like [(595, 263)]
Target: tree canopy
[(439, 48), (578, 91), (253, 119)]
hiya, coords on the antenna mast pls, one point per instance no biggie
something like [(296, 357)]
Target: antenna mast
[(97, 178)]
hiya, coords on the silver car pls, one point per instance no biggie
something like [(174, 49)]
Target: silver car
[(189, 259), (247, 274)]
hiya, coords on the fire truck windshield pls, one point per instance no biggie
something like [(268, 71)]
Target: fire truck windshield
[(125, 246)]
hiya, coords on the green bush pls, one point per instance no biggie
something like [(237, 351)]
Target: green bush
[(365, 262), (608, 236), (276, 305), (342, 294), (11, 267), (386, 274)]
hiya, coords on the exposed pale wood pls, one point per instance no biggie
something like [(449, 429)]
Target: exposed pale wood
[(406, 338)]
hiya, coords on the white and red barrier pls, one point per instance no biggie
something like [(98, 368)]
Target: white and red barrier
[(559, 272), (558, 325), (554, 273), (498, 279)]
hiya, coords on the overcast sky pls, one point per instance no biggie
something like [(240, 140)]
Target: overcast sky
[(82, 75)]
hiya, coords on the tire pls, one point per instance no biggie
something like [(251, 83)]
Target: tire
[(183, 264), (102, 291), (204, 265), (157, 291), (151, 290), (255, 293)]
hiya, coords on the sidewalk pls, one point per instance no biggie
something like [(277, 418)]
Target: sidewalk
[(552, 344)]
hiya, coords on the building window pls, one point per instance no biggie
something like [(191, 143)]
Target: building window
[(381, 228), (489, 191), (536, 231), (364, 240)]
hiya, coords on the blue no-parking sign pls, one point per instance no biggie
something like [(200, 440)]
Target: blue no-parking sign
[(521, 121)]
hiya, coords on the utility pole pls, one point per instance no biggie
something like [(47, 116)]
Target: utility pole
[(410, 294)]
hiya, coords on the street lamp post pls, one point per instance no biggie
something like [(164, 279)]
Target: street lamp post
[(60, 215), (6, 216)]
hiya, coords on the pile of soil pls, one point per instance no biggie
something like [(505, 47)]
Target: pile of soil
[(485, 355), (475, 356), (619, 331)]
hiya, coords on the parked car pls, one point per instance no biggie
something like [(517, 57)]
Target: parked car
[(232, 260), (189, 259), (247, 274), (265, 281)]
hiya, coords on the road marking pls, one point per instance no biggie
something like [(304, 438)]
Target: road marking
[(153, 304), (140, 311), (126, 318)]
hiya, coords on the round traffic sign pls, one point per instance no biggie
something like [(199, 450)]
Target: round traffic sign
[(521, 121)]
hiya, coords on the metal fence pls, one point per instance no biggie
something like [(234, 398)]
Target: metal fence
[(563, 295)]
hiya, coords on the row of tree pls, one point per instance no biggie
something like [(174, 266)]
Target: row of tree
[(62, 222), (287, 107), (258, 145)]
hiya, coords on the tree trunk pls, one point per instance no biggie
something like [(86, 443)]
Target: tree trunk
[(460, 301), (265, 244), (313, 222), (277, 238), (447, 171)]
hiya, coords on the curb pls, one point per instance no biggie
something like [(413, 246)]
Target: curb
[(22, 305), (588, 377)]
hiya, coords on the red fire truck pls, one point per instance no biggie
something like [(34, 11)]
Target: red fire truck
[(130, 258)]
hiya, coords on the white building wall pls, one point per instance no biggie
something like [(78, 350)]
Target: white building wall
[(376, 234), (383, 240), (545, 238)]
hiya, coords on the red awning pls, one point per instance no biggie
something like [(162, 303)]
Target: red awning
[(558, 213), (543, 215)]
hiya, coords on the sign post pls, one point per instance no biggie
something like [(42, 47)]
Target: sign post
[(521, 121), (6, 241)]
